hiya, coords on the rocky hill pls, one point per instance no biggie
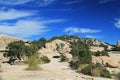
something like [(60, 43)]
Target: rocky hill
[(54, 48), (5, 40)]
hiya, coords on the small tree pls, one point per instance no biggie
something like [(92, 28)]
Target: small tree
[(16, 49), (81, 52), (40, 43)]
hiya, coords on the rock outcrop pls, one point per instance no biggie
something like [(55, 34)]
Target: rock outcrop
[(61, 46), (111, 62)]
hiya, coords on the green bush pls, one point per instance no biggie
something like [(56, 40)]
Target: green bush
[(102, 53), (39, 43), (81, 52), (96, 70), (33, 62), (44, 59), (105, 73), (63, 58), (118, 76), (116, 48)]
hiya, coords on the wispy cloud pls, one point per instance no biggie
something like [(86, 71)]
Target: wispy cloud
[(26, 28), (105, 1), (14, 2), (45, 2), (23, 28), (92, 36), (14, 14), (73, 2), (75, 30), (19, 2), (24, 24), (117, 23)]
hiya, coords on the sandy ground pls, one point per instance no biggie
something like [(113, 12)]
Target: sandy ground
[(51, 71)]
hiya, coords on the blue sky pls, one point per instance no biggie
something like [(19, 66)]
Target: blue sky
[(32, 19)]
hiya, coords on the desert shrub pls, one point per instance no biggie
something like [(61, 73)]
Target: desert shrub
[(0, 69), (102, 53), (40, 43), (81, 52), (44, 59), (63, 58), (116, 48), (33, 62), (96, 70), (105, 73), (64, 38), (118, 76), (81, 66), (74, 64), (87, 70)]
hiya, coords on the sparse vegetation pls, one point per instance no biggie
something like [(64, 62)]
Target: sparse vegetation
[(116, 48), (63, 58), (33, 62), (80, 52), (101, 53), (118, 76), (44, 59), (40, 43), (96, 70), (0, 69)]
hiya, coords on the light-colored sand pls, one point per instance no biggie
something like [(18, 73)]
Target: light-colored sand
[(51, 71)]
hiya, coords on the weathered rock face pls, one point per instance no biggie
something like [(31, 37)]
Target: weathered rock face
[(58, 45), (61, 46), (95, 49), (112, 61), (51, 46)]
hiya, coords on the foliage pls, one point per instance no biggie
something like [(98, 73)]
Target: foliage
[(16, 49), (118, 76), (40, 43), (81, 52), (102, 53), (63, 58), (0, 69), (30, 50), (64, 38), (33, 62), (44, 59), (96, 70), (116, 48), (105, 73)]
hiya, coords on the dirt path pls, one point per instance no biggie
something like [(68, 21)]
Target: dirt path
[(51, 71)]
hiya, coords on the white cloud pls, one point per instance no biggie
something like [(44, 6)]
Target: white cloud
[(47, 2), (75, 30), (91, 36), (73, 2), (13, 14), (117, 23), (26, 28), (14, 2), (23, 28), (104, 1), (18, 2)]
